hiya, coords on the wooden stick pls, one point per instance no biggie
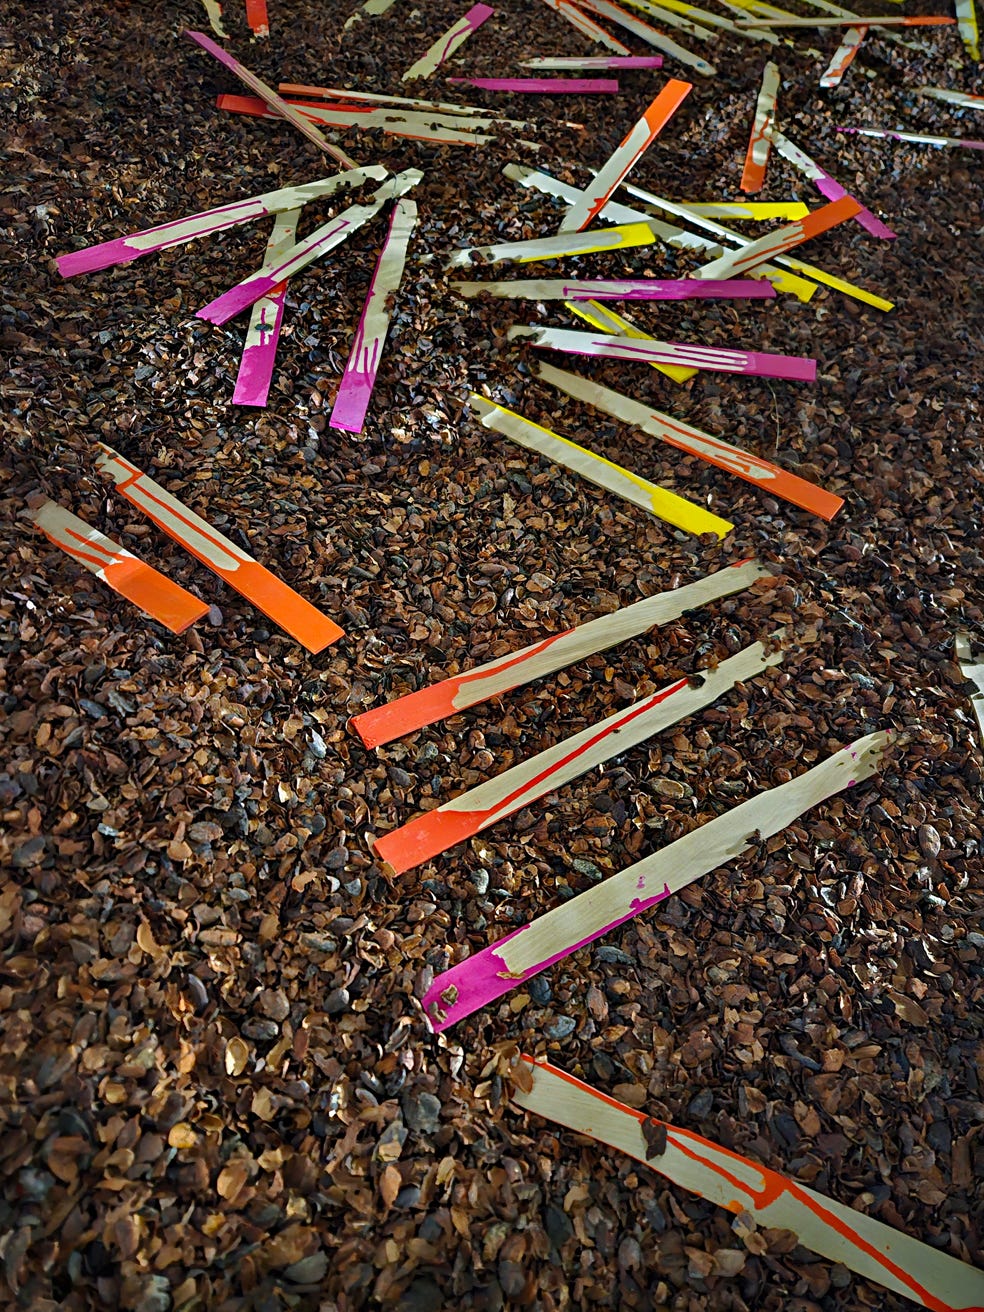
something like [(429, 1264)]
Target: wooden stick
[(755, 211), (826, 185), (604, 318), (523, 953), (445, 45), (586, 25), (631, 149), (892, 20), (435, 831), (359, 378), (963, 99), (395, 719), (843, 57), (763, 473), (551, 248), (213, 12), (761, 363), (347, 97), (268, 94), (588, 62), (776, 243), (788, 261), (844, 1235), (369, 9), (237, 567), (542, 86), (973, 671), (918, 138), (319, 243), (967, 27), (263, 334), (603, 473), (759, 145), (652, 37), (174, 233), (676, 237), (705, 16), (157, 596), (257, 17), (619, 289)]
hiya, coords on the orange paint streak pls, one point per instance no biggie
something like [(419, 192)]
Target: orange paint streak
[(774, 1186)]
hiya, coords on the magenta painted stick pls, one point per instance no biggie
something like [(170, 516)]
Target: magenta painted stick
[(691, 355), (445, 45), (263, 334), (918, 138), (620, 289), (826, 185), (590, 62), (480, 979), (123, 249), (268, 94), (322, 240), (544, 86), (359, 378)]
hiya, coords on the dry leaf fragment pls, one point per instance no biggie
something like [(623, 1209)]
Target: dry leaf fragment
[(182, 1135), (390, 1183), (654, 1133)]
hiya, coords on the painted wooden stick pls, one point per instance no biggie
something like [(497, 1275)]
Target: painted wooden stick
[(917, 138), (763, 364), (973, 671), (619, 289), (633, 146), (213, 12), (237, 567), (395, 719), (704, 16), (838, 11), (674, 17), (156, 595), (319, 243), (613, 212), (763, 473), (606, 9), (359, 378), (174, 233), (267, 93), (589, 62), (445, 45), (864, 1245), (826, 185), (784, 239), (260, 347), (759, 144), (369, 9), (604, 318), (363, 117), (669, 507), (435, 831), (843, 56), (551, 248), (586, 25), (543, 86), (967, 27), (553, 936), (755, 211), (257, 17), (963, 99), (788, 261), (304, 90), (891, 20)]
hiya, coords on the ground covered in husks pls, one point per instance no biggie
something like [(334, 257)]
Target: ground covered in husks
[(217, 1087)]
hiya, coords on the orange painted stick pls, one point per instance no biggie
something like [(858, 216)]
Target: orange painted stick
[(157, 596), (775, 243), (759, 144), (257, 17), (249, 578), (891, 20), (843, 1234)]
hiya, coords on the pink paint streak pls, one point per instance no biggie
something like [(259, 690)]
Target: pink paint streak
[(680, 289), (480, 979), (256, 366), (544, 86)]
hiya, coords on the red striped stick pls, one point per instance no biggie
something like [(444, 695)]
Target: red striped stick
[(237, 567), (436, 831), (157, 596), (384, 723)]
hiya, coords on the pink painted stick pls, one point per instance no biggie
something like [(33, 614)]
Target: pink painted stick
[(268, 94), (544, 86), (827, 186), (263, 334), (359, 378)]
